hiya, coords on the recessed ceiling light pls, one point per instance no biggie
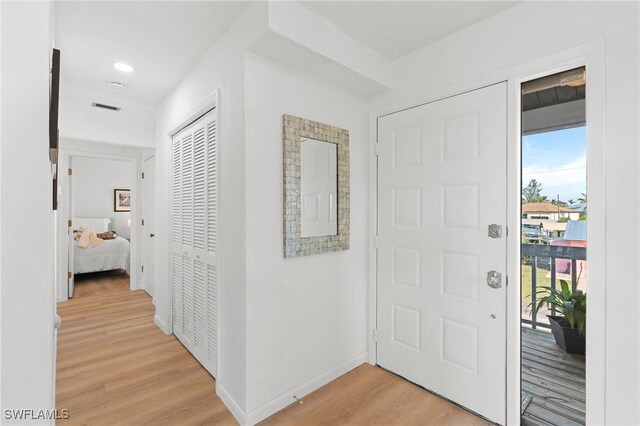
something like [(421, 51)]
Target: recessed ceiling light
[(121, 66), (117, 85)]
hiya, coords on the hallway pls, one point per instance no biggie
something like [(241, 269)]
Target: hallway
[(115, 367)]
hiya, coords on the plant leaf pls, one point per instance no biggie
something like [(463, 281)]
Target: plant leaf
[(566, 292)]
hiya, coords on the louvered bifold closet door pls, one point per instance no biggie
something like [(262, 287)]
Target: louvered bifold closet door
[(194, 233), (212, 240), (177, 235)]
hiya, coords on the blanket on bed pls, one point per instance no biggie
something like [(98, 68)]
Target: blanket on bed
[(86, 238), (107, 235)]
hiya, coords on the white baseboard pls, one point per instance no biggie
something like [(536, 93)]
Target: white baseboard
[(231, 404), (286, 399), (161, 324)]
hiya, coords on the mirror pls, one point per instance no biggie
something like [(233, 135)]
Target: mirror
[(318, 188)]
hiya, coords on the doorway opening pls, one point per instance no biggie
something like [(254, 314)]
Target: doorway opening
[(554, 249), (100, 211)]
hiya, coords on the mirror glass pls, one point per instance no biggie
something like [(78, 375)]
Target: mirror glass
[(319, 188)]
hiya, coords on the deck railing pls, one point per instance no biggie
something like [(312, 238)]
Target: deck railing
[(541, 256)]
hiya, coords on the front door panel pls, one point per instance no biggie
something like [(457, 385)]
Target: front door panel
[(441, 183)]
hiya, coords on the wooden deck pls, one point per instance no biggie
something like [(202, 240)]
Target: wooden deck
[(555, 379)]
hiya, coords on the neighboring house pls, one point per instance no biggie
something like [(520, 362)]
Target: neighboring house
[(547, 211), (574, 236), (551, 227)]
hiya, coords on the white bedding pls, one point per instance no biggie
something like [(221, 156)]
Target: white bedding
[(111, 254)]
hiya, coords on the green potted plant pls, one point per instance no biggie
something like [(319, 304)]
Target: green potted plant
[(568, 326)]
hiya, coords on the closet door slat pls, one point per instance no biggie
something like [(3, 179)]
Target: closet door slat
[(199, 183), (212, 186), (187, 190)]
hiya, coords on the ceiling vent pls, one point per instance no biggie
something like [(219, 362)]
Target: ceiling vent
[(117, 85), (103, 106)]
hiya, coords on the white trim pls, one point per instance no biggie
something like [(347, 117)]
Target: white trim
[(161, 325), (591, 54), (372, 272), (64, 213), (209, 103), (231, 404), (146, 212), (286, 399)]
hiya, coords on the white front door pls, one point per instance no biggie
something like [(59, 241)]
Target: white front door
[(441, 183), (148, 230)]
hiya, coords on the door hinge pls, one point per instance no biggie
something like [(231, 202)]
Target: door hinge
[(377, 149), (142, 175), (143, 269), (70, 172), (69, 275), (506, 280), (142, 222), (69, 223), (375, 242), (375, 335)]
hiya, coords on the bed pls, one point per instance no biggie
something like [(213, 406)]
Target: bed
[(110, 255)]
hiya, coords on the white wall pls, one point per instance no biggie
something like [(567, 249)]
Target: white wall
[(508, 39), (133, 125), (26, 223), (94, 180), (306, 316)]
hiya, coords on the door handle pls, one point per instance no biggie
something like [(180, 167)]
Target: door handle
[(494, 279), (152, 235)]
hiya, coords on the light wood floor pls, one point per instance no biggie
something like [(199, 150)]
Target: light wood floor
[(115, 367), (97, 283), (369, 395)]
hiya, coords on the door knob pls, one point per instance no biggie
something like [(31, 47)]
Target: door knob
[(152, 235), (494, 279)]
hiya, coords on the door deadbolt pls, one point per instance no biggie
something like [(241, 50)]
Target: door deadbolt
[(495, 230), (494, 279)]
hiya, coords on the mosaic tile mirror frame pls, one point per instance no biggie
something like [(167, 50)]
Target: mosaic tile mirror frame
[(294, 129)]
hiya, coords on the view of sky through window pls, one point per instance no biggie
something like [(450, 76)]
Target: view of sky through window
[(558, 161)]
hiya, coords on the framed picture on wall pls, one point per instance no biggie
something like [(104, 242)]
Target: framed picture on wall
[(121, 200)]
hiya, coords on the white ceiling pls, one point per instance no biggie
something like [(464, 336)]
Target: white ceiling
[(161, 40), (395, 28)]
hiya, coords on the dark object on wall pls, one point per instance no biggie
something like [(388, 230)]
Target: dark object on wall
[(121, 200), (54, 96)]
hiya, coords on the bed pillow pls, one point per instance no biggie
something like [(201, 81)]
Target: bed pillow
[(97, 224)]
